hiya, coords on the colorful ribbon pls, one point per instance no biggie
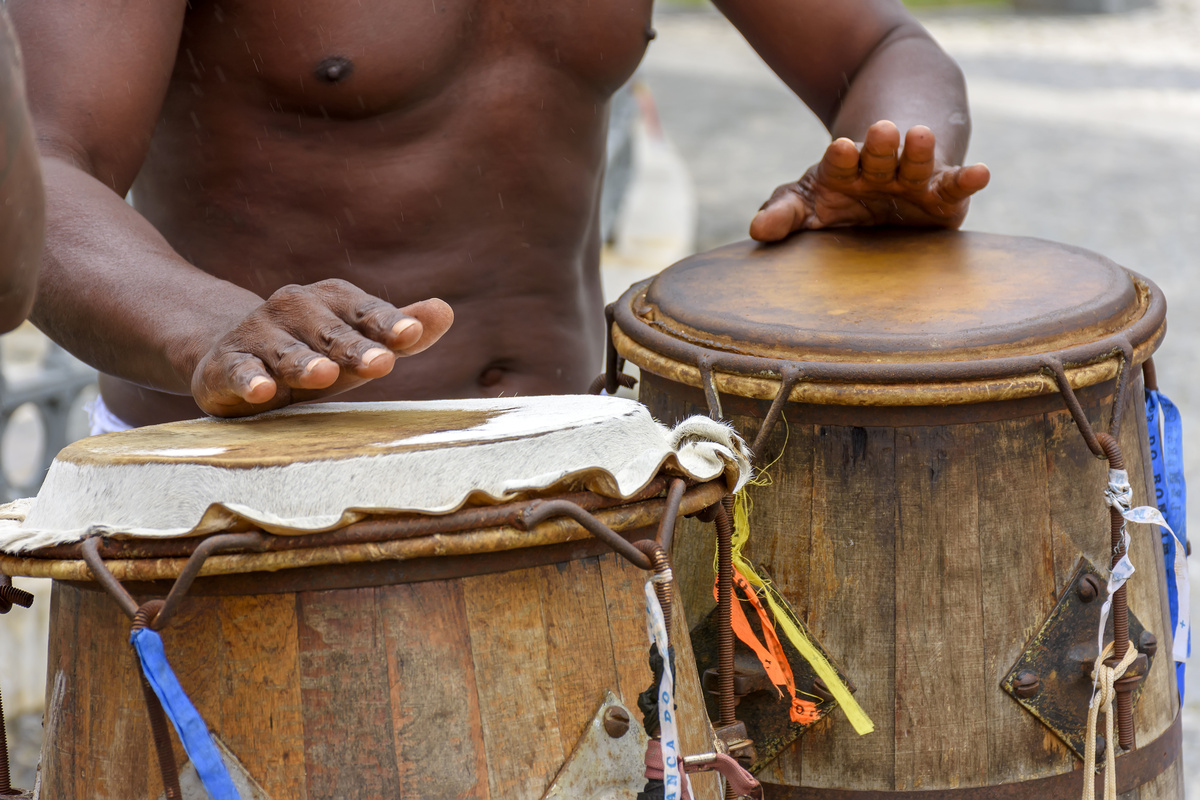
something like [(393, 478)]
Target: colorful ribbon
[(674, 779), (786, 619), (1170, 495), (189, 725)]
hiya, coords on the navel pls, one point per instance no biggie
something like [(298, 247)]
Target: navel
[(334, 69)]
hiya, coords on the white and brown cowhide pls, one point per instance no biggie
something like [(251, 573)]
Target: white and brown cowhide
[(318, 467)]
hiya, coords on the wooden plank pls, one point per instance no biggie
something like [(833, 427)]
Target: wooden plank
[(852, 603), (625, 600), (192, 643), (1017, 560), (109, 709), (513, 674), (434, 703), (781, 516), (343, 679), (262, 720), (1075, 486), (625, 609), (61, 737), (941, 733), (579, 645), (1169, 785)]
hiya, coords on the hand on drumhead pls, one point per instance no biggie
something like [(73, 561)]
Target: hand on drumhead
[(879, 184), (307, 342)]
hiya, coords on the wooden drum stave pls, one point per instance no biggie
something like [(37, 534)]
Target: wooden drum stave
[(932, 495), (402, 654)]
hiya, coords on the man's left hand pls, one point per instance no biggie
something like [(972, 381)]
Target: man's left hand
[(879, 184)]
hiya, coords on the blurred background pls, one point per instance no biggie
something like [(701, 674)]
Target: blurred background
[(1086, 111)]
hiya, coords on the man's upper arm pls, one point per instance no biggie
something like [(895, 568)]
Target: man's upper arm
[(817, 46), (97, 73)]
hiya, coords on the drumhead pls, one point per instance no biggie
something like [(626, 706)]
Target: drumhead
[(320, 467), (891, 308)]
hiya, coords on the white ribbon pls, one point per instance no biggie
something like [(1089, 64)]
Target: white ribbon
[(1119, 495), (656, 630)]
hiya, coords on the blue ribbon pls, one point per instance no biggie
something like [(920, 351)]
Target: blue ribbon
[(1170, 494), (189, 725)]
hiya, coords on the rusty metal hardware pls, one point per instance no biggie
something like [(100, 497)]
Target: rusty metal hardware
[(6, 789), (10, 595), (1105, 445), (601, 382), (735, 741), (1148, 644), (542, 510), (90, 550), (666, 526), (603, 766), (1089, 588), (764, 712), (1134, 769), (616, 721), (748, 677), (726, 696), (1026, 684), (1060, 657)]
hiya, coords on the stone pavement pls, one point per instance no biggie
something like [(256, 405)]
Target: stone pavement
[(1090, 125)]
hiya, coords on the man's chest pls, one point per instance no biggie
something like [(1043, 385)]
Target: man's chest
[(362, 57)]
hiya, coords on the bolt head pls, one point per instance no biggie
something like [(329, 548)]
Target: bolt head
[(616, 722), (1026, 684), (1089, 588), (1148, 643)]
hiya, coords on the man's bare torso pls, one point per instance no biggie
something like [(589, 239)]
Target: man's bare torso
[(417, 149)]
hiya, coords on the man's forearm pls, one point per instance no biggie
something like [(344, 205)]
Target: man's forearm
[(21, 215), (114, 293), (909, 80)]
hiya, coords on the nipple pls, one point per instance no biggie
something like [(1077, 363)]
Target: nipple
[(334, 69)]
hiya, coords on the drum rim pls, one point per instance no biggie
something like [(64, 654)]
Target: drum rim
[(440, 537), (917, 383)]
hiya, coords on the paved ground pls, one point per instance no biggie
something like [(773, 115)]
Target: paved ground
[(1089, 124)]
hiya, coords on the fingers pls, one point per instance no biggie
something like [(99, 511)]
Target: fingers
[(839, 165), (784, 213), (879, 157), (958, 183), (433, 318), (326, 336), (917, 160)]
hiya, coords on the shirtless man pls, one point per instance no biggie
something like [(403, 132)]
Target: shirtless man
[(21, 212), (304, 173)]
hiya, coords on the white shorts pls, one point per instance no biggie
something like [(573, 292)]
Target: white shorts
[(102, 420)]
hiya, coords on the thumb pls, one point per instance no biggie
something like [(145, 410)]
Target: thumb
[(783, 214)]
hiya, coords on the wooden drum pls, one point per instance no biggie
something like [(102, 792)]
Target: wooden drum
[(934, 513), (339, 644)]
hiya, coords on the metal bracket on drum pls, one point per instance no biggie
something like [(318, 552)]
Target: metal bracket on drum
[(1052, 678), (606, 763)]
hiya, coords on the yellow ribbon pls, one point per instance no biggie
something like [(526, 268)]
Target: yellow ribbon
[(786, 619)]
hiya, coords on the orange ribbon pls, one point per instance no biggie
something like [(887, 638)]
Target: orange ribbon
[(771, 655)]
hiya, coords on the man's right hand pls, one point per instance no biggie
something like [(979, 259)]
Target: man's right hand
[(307, 342)]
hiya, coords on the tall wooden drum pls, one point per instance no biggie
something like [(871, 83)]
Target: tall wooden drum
[(935, 409), (339, 644)]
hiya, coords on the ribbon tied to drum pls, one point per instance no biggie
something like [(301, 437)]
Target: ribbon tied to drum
[(1119, 495)]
